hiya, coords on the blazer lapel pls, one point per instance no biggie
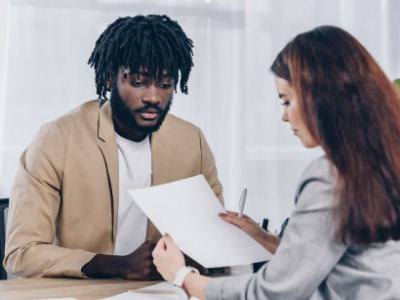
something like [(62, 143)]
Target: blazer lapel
[(160, 156), (109, 149)]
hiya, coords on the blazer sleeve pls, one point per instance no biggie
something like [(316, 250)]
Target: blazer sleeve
[(34, 205), (307, 252), (209, 169)]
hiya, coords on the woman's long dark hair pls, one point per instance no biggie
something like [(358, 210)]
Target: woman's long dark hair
[(353, 110)]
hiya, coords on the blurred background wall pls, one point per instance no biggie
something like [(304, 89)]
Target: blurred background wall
[(45, 45)]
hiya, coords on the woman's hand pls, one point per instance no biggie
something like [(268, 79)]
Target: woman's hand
[(168, 258), (248, 225)]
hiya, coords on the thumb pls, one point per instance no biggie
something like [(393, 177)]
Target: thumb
[(232, 219), (168, 240)]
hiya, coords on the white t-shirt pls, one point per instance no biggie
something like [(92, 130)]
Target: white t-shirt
[(134, 173)]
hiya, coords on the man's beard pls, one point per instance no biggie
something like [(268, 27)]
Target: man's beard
[(127, 115)]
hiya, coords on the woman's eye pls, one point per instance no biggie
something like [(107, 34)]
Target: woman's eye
[(285, 103)]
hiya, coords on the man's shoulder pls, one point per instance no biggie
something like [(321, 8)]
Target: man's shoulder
[(176, 131), (173, 122), (87, 110), (82, 116), (85, 113)]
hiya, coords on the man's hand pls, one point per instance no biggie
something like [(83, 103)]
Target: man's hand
[(192, 263), (137, 265)]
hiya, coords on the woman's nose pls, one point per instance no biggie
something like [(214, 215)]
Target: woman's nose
[(285, 117)]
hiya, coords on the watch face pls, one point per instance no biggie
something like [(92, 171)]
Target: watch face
[(180, 292)]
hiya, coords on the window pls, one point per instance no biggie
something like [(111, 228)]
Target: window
[(232, 96)]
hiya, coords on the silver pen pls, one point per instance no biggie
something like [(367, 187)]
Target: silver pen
[(242, 202)]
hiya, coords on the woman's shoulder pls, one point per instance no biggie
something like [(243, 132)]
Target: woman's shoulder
[(319, 181), (320, 168)]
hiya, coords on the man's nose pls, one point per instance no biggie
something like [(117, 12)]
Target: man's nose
[(151, 95)]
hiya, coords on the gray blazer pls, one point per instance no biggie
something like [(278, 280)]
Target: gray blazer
[(309, 263)]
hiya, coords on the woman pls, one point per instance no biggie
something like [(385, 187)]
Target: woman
[(342, 241)]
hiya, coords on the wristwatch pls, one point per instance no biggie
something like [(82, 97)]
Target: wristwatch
[(178, 281)]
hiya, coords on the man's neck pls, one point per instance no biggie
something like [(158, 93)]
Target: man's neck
[(127, 132)]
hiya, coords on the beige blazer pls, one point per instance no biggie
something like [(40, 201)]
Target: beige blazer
[(64, 202)]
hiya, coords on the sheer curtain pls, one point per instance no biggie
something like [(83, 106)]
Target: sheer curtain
[(231, 97), (4, 21)]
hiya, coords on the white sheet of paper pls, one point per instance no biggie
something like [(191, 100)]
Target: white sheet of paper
[(162, 290), (188, 210), (142, 296)]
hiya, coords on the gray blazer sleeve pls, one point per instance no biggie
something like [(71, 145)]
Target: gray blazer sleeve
[(307, 252)]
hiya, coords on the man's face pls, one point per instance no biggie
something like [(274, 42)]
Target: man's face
[(140, 103)]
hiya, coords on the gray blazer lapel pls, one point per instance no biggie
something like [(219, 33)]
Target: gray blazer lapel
[(109, 149)]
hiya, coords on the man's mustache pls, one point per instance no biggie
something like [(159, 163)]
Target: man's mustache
[(149, 107)]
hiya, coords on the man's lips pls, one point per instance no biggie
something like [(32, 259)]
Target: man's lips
[(149, 114)]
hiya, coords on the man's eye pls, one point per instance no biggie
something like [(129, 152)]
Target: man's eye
[(165, 85), (137, 83)]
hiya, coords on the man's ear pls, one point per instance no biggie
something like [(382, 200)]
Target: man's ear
[(109, 84)]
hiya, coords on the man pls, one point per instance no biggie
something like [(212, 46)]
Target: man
[(70, 213)]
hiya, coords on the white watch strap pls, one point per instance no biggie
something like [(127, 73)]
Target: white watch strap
[(180, 276)]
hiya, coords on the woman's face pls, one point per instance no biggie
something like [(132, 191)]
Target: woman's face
[(292, 112)]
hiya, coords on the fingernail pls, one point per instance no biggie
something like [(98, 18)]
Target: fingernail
[(222, 215)]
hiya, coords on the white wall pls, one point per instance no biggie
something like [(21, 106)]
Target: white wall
[(231, 92)]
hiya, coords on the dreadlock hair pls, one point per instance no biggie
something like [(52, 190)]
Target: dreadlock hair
[(153, 42)]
